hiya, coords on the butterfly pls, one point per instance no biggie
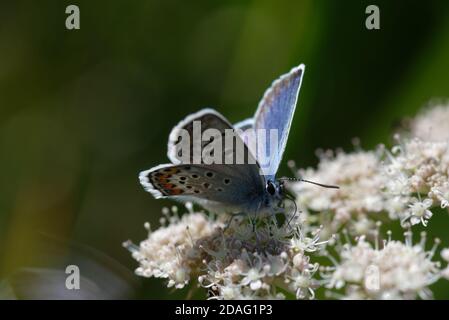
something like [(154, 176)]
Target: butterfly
[(247, 187)]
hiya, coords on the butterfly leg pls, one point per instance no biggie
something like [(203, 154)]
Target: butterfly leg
[(253, 221), (293, 216), (273, 218)]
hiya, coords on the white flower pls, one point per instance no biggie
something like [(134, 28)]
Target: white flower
[(418, 212), (301, 281), (254, 275)]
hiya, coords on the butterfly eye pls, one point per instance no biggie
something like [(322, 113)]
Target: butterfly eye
[(270, 188)]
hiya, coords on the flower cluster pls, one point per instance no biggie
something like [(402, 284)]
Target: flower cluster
[(360, 195), (417, 169), (405, 182), (417, 178), (256, 264), (241, 261), (171, 251), (396, 271)]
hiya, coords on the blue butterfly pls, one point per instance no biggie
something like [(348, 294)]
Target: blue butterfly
[(234, 188)]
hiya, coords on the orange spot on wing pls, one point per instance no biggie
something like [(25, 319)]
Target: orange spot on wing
[(168, 186), (175, 192)]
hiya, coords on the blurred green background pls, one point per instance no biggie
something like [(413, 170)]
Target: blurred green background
[(83, 111)]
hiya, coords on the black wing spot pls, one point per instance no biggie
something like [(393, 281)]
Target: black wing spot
[(226, 181), (209, 174), (195, 176), (219, 189), (196, 191), (206, 185)]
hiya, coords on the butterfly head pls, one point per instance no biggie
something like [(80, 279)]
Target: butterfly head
[(274, 190)]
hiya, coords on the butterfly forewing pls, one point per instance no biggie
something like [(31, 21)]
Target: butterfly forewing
[(275, 112), (191, 139)]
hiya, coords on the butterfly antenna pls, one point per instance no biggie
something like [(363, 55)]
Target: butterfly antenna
[(311, 182)]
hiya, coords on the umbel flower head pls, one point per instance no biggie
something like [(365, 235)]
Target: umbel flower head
[(397, 270), (171, 252), (243, 261), (418, 173), (417, 168), (359, 177)]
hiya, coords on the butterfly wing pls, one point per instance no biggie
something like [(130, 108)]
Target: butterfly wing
[(212, 186), (188, 136), (245, 124), (223, 184), (275, 111)]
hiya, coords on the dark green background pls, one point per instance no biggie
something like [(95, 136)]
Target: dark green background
[(82, 112)]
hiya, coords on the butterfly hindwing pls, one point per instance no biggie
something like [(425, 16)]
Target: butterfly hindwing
[(199, 183)]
